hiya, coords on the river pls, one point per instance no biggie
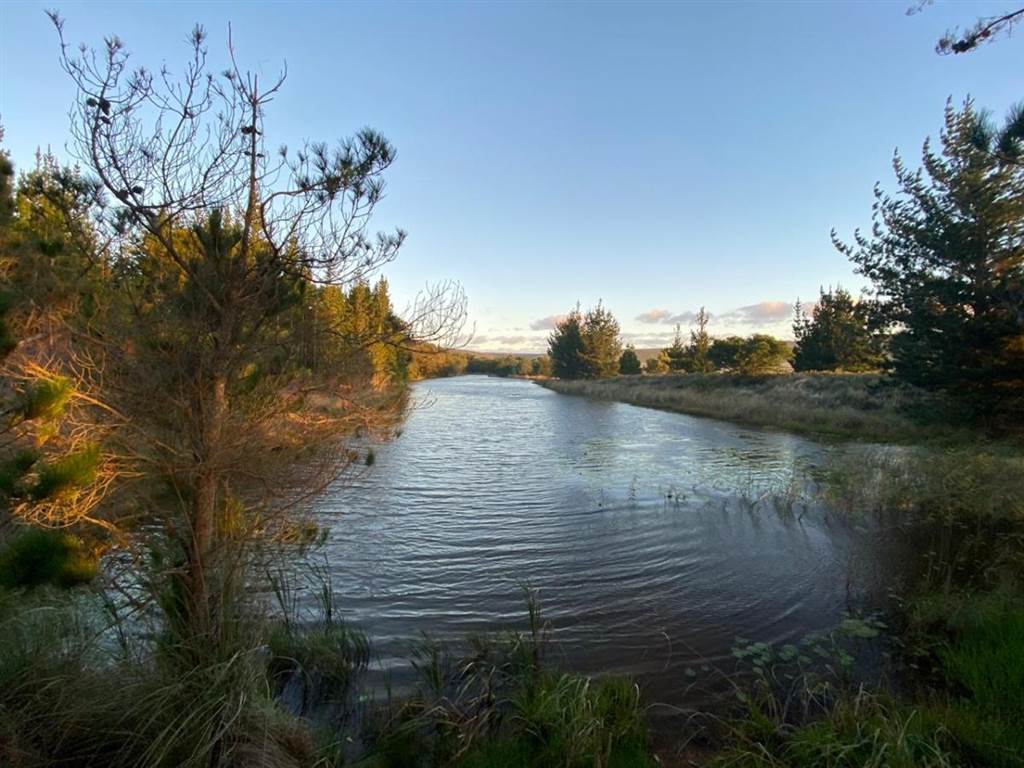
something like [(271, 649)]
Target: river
[(637, 527)]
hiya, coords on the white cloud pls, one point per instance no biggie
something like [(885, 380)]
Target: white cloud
[(665, 317), (547, 323), (653, 316), (762, 313), (684, 318)]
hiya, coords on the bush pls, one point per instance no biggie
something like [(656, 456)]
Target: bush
[(35, 556)]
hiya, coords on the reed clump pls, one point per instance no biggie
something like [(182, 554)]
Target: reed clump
[(504, 706)]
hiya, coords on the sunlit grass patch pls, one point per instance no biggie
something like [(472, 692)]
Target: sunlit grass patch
[(858, 406)]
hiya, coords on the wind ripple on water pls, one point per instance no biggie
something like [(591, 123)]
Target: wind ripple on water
[(630, 522)]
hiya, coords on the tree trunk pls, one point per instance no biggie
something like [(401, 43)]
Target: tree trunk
[(204, 507)]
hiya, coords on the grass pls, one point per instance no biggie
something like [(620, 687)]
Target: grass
[(854, 406), (977, 645), (862, 730), (80, 688), (69, 696), (960, 511), (968, 711), (502, 706), (960, 644)]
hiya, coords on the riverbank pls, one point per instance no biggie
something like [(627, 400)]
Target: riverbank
[(930, 677), (951, 695), (850, 406)]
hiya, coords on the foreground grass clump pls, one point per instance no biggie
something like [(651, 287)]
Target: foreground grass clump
[(861, 729), (70, 694), (976, 645), (501, 707), (968, 709), (862, 406)]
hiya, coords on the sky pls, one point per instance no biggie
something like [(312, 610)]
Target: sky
[(657, 157)]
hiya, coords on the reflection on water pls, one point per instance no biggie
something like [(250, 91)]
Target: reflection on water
[(634, 525)]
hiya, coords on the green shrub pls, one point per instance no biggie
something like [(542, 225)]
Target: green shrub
[(46, 398), (36, 556), (74, 470)]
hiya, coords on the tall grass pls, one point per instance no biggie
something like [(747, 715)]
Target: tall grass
[(959, 511), (861, 406), (70, 696), (502, 706), (285, 693)]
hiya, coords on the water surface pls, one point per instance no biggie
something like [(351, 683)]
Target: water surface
[(635, 525)]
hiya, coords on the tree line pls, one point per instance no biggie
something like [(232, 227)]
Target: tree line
[(944, 309), (587, 345)]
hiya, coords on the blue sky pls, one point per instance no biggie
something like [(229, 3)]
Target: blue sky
[(657, 156)]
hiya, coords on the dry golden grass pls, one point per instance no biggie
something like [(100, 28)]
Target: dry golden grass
[(859, 406)]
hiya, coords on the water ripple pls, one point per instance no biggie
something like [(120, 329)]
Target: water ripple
[(629, 521)]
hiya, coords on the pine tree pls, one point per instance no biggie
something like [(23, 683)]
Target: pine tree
[(629, 363), (725, 353), (946, 262), (655, 365), (761, 354), (675, 356), (836, 336), (565, 346), (50, 472), (208, 365), (601, 346), (698, 360)]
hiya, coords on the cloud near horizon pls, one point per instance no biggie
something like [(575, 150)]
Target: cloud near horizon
[(663, 316), (772, 317), (762, 313), (653, 316), (513, 342), (547, 323)]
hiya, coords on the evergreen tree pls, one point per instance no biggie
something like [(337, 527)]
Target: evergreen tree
[(565, 346), (629, 363), (213, 354), (585, 346), (725, 353), (540, 366), (51, 471), (675, 357), (761, 354), (751, 356), (697, 353), (601, 346), (836, 336), (946, 262)]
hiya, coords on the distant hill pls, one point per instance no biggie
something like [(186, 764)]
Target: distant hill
[(489, 354), (647, 353), (644, 353)]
